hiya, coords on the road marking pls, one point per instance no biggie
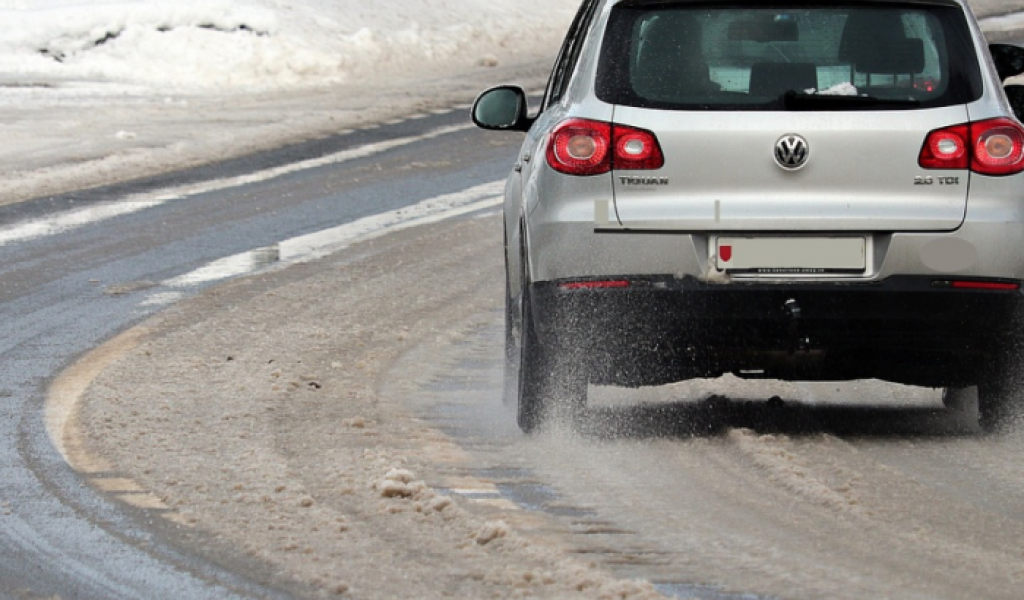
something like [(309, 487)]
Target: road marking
[(327, 241), (53, 225), (65, 394), (66, 391)]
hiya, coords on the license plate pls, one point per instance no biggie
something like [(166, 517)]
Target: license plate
[(791, 255)]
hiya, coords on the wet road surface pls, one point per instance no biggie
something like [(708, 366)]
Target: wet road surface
[(77, 269)]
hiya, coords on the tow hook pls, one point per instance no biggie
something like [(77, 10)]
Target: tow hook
[(795, 314)]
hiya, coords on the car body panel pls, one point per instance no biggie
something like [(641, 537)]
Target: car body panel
[(861, 173)]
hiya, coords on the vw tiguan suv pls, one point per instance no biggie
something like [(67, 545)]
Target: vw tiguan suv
[(795, 190)]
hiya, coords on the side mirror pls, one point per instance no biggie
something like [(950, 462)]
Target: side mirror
[(1009, 60), (502, 108), (1015, 94)]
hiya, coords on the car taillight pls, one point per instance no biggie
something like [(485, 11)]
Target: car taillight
[(998, 147), (585, 147), (580, 147), (947, 149), (636, 149), (992, 147)]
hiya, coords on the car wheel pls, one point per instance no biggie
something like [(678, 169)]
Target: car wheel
[(513, 340), (531, 385), (999, 400), (959, 400), (552, 384)]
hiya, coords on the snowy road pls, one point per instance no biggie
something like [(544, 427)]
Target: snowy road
[(77, 269), (351, 410), (846, 491)]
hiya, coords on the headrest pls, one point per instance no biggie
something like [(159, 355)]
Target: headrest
[(875, 41)]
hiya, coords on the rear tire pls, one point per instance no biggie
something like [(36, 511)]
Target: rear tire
[(959, 400), (552, 381), (532, 389), (1000, 394), (513, 340), (999, 400)]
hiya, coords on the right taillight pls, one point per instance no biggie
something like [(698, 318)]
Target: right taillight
[(992, 147), (998, 147)]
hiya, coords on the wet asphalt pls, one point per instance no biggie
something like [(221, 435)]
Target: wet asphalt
[(65, 293)]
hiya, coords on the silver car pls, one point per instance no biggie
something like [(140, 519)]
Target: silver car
[(796, 191)]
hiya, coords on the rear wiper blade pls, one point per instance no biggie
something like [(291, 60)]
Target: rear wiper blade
[(793, 100)]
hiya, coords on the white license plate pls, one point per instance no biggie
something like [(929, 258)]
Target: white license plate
[(791, 255)]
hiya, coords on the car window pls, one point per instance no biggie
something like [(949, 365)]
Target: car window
[(877, 56), (569, 55)]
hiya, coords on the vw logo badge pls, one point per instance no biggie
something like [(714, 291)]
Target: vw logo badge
[(792, 152)]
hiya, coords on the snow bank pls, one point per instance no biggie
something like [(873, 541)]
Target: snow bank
[(246, 44), (1004, 23)]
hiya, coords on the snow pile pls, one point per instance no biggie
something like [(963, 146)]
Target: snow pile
[(490, 531), (1013, 22), (400, 483), (231, 44), (773, 454)]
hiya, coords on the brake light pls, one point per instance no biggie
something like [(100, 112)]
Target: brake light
[(998, 147), (585, 147), (992, 147), (580, 147)]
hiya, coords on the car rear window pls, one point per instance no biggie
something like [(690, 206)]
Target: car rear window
[(797, 57)]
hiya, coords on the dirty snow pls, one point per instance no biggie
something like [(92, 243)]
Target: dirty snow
[(95, 92), (323, 477), (347, 453), (228, 45)]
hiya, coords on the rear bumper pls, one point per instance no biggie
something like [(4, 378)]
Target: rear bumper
[(662, 329)]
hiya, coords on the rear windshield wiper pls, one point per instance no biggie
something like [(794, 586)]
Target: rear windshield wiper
[(793, 100)]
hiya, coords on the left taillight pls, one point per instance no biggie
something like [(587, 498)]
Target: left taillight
[(580, 147), (636, 149), (991, 147), (585, 147)]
